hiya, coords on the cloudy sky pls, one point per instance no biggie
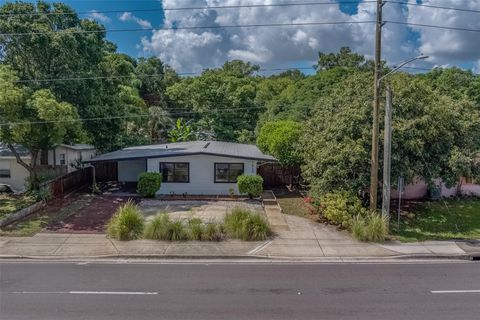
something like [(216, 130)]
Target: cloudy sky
[(190, 50)]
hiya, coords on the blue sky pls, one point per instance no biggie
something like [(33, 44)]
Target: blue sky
[(193, 50)]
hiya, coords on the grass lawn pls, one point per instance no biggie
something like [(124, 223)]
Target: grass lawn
[(458, 219), (292, 203), (55, 212), (12, 203)]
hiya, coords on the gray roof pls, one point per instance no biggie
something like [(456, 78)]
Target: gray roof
[(78, 146), (6, 152), (218, 148)]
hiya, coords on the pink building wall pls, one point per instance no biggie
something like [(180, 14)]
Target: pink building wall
[(419, 190)]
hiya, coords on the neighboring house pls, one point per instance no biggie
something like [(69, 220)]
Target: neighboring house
[(61, 159), (419, 190), (70, 155), (196, 167), (11, 172)]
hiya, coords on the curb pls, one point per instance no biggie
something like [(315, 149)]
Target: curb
[(463, 257)]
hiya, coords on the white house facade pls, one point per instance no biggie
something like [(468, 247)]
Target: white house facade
[(191, 168), (15, 175)]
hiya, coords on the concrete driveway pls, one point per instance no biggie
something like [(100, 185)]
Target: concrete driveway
[(208, 211)]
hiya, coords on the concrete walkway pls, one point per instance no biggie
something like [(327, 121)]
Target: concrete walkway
[(303, 239)]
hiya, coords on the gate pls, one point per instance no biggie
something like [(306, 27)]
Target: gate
[(274, 174)]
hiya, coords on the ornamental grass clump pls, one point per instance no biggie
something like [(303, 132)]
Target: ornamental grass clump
[(196, 229), (373, 227), (158, 228), (127, 223), (213, 232), (177, 231), (246, 225)]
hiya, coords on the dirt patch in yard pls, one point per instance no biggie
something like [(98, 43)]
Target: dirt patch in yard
[(91, 217), (78, 213)]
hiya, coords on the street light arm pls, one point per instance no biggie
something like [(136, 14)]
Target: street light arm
[(401, 65)]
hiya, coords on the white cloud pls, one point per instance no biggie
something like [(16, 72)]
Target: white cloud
[(190, 50), (128, 16), (448, 46), (95, 15)]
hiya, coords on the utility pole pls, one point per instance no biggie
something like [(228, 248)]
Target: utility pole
[(387, 154), (376, 107)]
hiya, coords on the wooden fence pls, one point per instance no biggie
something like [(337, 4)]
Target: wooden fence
[(106, 171), (69, 182), (275, 175)]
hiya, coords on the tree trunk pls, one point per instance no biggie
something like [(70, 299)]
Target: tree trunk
[(459, 187), (31, 168)]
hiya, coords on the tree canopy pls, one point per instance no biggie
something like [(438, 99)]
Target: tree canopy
[(61, 85)]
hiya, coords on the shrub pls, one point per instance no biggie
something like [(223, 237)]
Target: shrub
[(243, 224), (376, 229), (234, 221), (255, 228), (127, 223), (372, 227), (358, 228), (251, 185), (196, 229), (148, 184), (340, 207), (213, 232), (158, 228), (177, 231)]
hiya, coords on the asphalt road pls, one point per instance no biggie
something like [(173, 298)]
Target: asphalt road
[(53, 290)]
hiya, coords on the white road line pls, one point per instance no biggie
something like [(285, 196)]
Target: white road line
[(455, 291), (114, 292), (88, 292)]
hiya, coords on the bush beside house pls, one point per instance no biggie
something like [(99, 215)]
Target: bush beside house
[(251, 185), (148, 184), (345, 209)]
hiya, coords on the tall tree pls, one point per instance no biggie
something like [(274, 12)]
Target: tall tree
[(221, 102), (34, 120), (344, 58), (46, 41), (428, 127), (154, 78)]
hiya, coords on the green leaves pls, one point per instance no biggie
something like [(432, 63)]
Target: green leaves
[(279, 138), (182, 132)]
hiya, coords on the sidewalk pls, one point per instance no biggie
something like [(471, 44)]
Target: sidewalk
[(303, 239)]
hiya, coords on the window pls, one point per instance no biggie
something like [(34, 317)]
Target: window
[(62, 158), (4, 169), (227, 172), (175, 171)]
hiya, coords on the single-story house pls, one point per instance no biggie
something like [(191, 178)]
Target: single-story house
[(194, 167), (59, 160)]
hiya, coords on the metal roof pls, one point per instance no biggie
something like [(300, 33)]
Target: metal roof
[(78, 146), (217, 148), (6, 152)]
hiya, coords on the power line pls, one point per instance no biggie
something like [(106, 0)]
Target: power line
[(187, 8), (289, 24), (144, 75), (240, 26), (432, 26), (127, 116), (433, 6)]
